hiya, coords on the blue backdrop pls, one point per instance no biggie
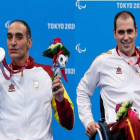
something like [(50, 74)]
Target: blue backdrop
[(86, 29)]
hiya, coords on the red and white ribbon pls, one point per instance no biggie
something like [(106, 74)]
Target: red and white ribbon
[(3, 64), (128, 60), (3, 72)]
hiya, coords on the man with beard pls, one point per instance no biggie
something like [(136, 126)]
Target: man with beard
[(26, 100), (117, 73)]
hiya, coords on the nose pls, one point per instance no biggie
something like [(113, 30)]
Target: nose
[(126, 37), (13, 41)]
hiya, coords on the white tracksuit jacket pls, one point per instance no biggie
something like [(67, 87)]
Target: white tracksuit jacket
[(26, 105), (118, 82)]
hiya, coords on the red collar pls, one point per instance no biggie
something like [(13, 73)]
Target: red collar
[(29, 65), (134, 54)]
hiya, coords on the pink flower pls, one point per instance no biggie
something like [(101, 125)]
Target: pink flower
[(117, 107)]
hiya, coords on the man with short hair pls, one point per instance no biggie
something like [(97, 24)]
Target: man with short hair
[(117, 73), (26, 100)]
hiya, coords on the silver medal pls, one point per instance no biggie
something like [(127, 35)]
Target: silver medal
[(2, 54)]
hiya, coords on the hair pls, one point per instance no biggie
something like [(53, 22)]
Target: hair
[(28, 30), (124, 15)]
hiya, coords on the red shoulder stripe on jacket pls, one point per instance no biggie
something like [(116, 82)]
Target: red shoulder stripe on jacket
[(47, 68)]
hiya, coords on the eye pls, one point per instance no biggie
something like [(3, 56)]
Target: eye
[(121, 32), (19, 37), (9, 36), (61, 59), (129, 31)]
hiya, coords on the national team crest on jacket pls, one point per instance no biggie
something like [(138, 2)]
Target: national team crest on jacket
[(119, 70), (11, 88), (36, 84)]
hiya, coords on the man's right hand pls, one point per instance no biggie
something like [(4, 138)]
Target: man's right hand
[(91, 128)]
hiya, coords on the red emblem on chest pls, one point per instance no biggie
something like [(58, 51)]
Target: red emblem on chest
[(11, 88), (119, 70)]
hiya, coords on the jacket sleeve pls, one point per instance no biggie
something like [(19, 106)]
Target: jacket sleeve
[(86, 89), (64, 111)]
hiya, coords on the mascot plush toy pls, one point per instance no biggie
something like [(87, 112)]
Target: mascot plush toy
[(59, 54)]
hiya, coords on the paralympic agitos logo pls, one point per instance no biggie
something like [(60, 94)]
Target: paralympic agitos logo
[(7, 24), (78, 48)]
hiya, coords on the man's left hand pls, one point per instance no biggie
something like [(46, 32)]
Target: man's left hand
[(59, 94)]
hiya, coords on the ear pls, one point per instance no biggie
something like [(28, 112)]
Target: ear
[(114, 33), (29, 43), (136, 34)]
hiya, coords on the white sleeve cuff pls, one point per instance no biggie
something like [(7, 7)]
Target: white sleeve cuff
[(87, 120)]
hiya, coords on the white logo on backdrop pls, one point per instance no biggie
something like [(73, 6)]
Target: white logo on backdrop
[(78, 48), (136, 5), (70, 70), (79, 6), (62, 26), (7, 24)]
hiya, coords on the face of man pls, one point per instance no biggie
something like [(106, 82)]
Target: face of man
[(125, 35), (17, 42)]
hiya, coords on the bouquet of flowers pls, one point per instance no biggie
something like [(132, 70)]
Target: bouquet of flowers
[(59, 54), (122, 109)]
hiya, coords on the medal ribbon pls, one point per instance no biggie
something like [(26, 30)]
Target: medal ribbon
[(128, 60), (4, 64)]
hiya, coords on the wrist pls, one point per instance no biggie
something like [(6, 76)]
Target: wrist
[(60, 100)]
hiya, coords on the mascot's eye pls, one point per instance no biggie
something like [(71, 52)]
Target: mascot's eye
[(65, 62), (61, 59)]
